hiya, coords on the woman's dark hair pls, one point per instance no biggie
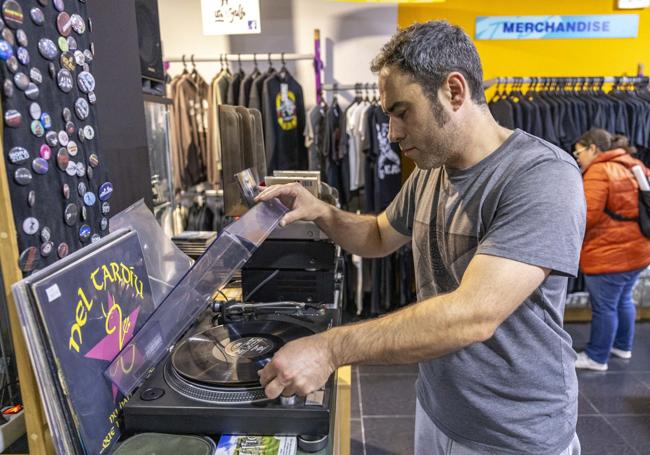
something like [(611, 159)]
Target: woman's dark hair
[(604, 141)]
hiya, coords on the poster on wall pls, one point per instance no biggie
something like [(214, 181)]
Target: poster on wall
[(230, 17), (556, 27)]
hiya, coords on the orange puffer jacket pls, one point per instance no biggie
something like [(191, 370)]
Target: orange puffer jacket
[(612, 246)]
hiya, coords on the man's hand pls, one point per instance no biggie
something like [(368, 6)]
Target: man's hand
[(298, 368), (303, 204)]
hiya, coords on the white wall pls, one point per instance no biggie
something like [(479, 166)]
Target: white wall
[(351, 35)]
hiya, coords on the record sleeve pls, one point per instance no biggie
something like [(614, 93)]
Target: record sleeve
[(262, 445), (89, 307)]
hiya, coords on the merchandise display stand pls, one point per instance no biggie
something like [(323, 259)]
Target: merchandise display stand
[(34, 417)]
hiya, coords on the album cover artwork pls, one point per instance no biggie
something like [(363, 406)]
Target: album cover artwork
[(90, 310), (262, 445)]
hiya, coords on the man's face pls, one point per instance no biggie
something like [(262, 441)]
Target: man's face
[(423, 129)]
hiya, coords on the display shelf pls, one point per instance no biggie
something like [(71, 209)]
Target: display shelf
[(38, 442), (584, 314)]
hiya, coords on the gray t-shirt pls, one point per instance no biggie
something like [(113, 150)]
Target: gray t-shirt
[(516, 392)]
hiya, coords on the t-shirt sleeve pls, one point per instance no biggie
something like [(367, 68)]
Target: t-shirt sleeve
[(401, 211), (540, 219)]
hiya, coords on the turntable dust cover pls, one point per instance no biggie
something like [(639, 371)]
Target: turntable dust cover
[(91, 309)]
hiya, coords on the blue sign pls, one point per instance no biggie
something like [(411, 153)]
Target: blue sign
[(552, 27)]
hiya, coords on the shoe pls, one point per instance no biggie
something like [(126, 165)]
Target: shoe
[(621, 354), (583, 362)]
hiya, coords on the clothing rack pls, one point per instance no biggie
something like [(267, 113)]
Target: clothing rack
[(572, 79), (342, 87), (256, 57)]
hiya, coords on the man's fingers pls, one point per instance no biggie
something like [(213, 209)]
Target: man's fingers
[(290, 217), (266, 374), (275, 191), (274, 388)]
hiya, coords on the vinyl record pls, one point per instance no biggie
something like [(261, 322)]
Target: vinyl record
[(230, 355)]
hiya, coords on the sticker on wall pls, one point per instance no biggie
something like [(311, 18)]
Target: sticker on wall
[(230, 17), (555, 27)]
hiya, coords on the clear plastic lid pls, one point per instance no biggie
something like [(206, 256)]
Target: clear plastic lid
[(193, 294)]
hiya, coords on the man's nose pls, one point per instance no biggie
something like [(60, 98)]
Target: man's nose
[(395, 131)]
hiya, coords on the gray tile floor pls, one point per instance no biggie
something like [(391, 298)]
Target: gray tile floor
[(613, 407)]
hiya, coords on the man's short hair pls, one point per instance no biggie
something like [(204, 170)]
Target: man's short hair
[(428, 52)]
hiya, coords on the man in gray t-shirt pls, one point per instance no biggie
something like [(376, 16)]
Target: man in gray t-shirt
[(496, 220)]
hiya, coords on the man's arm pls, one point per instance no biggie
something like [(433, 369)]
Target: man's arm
[(364, 235), (492, 288)]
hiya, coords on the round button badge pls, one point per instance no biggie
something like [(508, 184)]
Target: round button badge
[(40, 166), (21, 80), (6, 50), (22, 176), (36, 75), (46, 120), (95, 238), (82, 109), (45, 152), (79, 57), (51, 138), (32, 91), (63, 159), (67, 61), (89, 199), (23, 56), (81, 169), (8, 36), (31, 226), (71, 214), (12, 13), (8, 87), (46, 234), (67, 114), (63, 44), (64, 24), (105, 191), (103, 224), (63, 138), (106, 208), (92, 98), (47, 48), (21, 37), (12, 64), (93, 161), (31, 198), (71, 170), (35, 111), (89, 132), (82, 189), (86, 82), (46, 249), (73, 149), (72, 43), (89, 172), (62, 250), (78, 24), (13, 118), (70, 128), (37, 16), (37, 128), (84, 232), (64, 80), (84, 213), (18, 155), (66, 191), (28, 259), (58, 4)]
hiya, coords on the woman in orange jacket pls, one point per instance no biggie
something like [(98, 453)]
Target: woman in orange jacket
[(614, 252)]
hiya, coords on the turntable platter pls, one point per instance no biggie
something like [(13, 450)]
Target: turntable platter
[(230, 355)]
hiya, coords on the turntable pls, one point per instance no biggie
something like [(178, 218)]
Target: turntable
[(193, 366)]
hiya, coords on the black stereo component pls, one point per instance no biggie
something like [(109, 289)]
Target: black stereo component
[(151, 63), (297, 270)]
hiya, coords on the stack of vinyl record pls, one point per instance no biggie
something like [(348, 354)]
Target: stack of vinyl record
[(194, 243)]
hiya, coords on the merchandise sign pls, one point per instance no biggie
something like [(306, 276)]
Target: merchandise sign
[(553, 27), (230, 17)]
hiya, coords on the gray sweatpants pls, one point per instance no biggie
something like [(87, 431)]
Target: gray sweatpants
[(429, 440)]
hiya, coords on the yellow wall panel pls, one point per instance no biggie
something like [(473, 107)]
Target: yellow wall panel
[(550, 57)]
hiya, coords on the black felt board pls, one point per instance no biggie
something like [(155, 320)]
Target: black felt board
[(50, 203)]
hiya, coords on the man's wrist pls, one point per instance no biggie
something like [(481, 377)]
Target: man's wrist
[(333, 347)]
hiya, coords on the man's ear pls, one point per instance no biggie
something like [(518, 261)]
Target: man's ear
[(457, 90)]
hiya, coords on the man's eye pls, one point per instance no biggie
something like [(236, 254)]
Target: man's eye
[(400, 114)]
